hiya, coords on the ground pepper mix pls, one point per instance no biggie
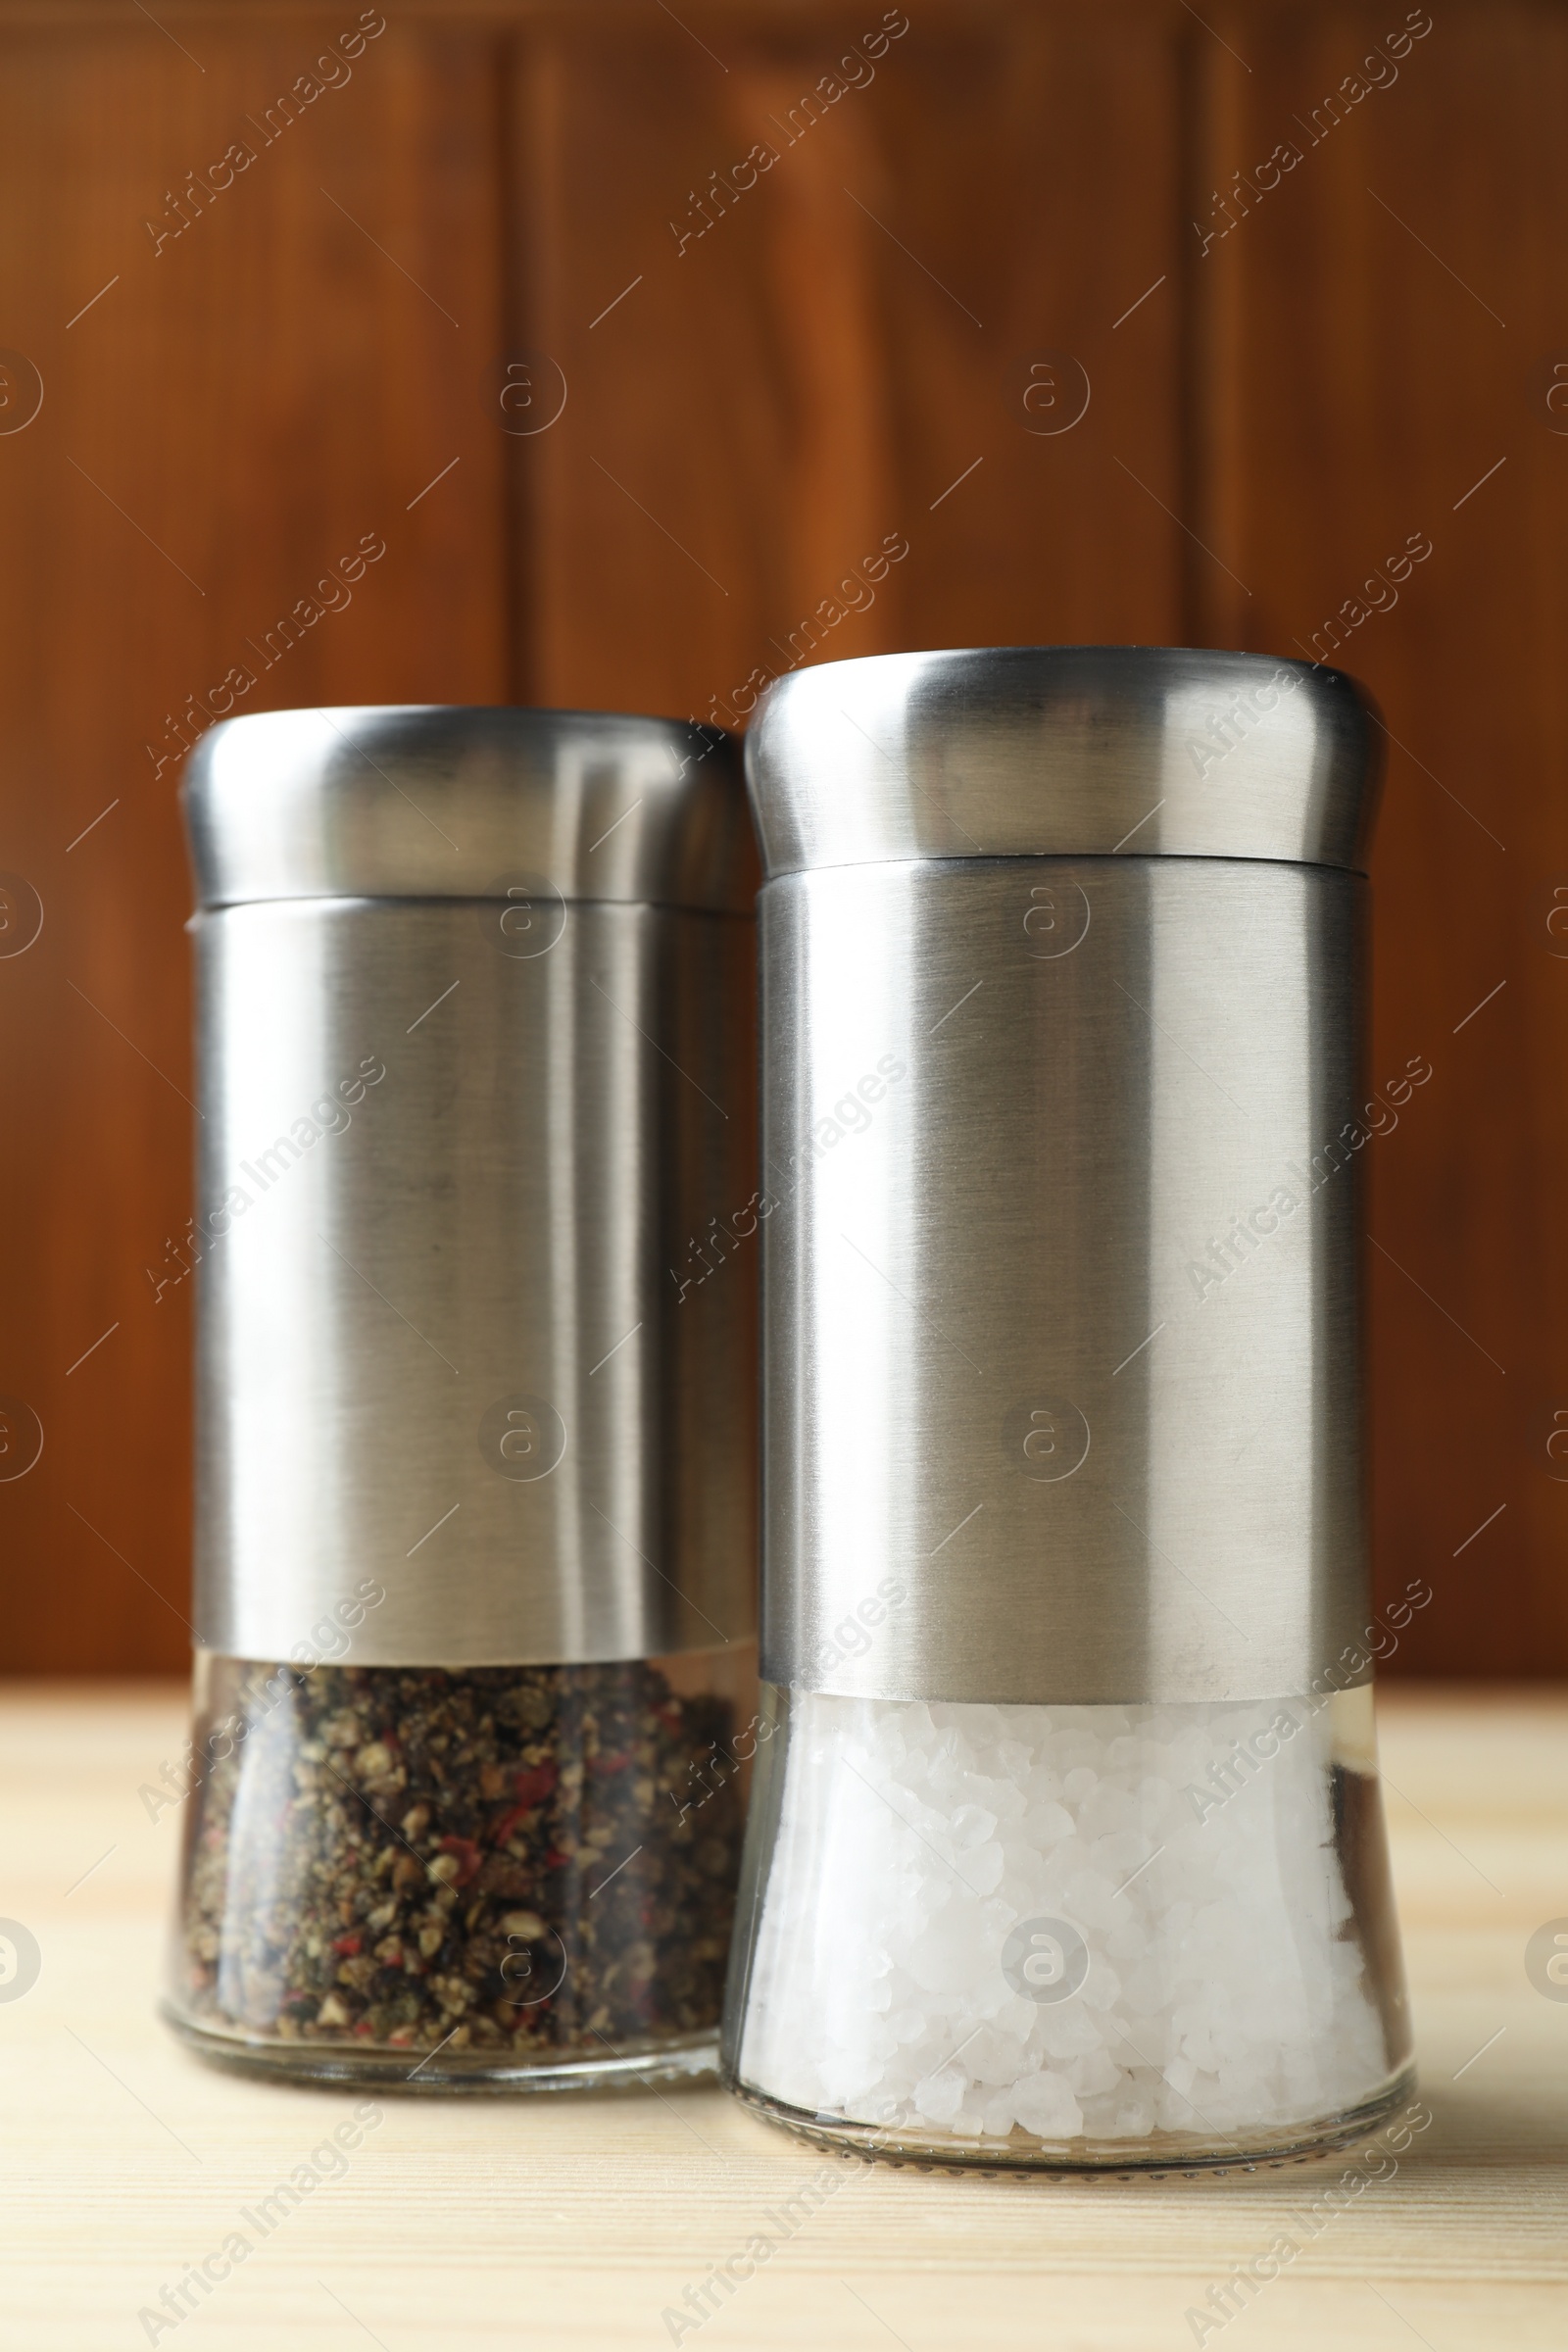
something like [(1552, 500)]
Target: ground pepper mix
[(525, 1861)]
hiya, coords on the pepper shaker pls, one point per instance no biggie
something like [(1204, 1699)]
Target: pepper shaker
[(474, 1576), (1066, 1849)]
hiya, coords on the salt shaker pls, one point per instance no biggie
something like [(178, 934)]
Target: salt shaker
[(474, 1594), (1066, 1847)]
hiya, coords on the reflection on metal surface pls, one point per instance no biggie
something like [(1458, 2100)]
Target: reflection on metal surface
[(458, 1150), (1087, 1286)]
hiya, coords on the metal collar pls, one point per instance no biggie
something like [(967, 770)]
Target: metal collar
[(1064, 751), (430, 802)]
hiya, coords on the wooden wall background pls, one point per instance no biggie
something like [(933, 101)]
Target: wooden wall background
[(1366, 354)]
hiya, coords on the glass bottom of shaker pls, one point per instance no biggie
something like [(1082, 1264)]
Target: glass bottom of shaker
[(516, 1876), (675, 2061), (1103, 1939), (1161, 2153)]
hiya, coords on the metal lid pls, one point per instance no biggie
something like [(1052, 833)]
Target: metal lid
[(426, 801), (1063, 751)]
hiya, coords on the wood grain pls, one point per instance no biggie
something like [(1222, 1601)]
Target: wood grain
[(578, 2222), (1379, 335), (798, 369), (238, 408), (755, 399)]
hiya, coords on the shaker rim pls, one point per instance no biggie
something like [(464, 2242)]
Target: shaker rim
[(1064, 751), (445, 800)]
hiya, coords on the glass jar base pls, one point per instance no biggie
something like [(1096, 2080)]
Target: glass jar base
[(680, 2061), (1164, 2152)]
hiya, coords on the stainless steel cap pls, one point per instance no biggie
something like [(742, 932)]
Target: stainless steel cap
[(476, 1186), (1063, 1129), (1064, 751), (431, 802)]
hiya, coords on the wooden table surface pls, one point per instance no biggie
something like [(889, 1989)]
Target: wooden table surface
[(538, 2224)]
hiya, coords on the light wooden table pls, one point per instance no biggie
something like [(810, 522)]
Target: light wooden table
[(575, 2223)]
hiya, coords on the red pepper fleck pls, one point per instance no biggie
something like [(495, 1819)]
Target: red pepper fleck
[(615, 1763), (348, 1946), (557, 1861), (469, 1857), (531, 1788)]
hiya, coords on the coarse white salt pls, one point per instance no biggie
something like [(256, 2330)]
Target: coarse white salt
[(1185, 1956)]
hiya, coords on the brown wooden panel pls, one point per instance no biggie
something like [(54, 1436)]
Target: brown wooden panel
[(831, 346), (237, 410), (1373, 339), (747, 416)]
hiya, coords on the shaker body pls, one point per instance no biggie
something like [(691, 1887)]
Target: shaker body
[(1066, 1849), (475, 1458), (468, 1291), (1055, 1294)]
